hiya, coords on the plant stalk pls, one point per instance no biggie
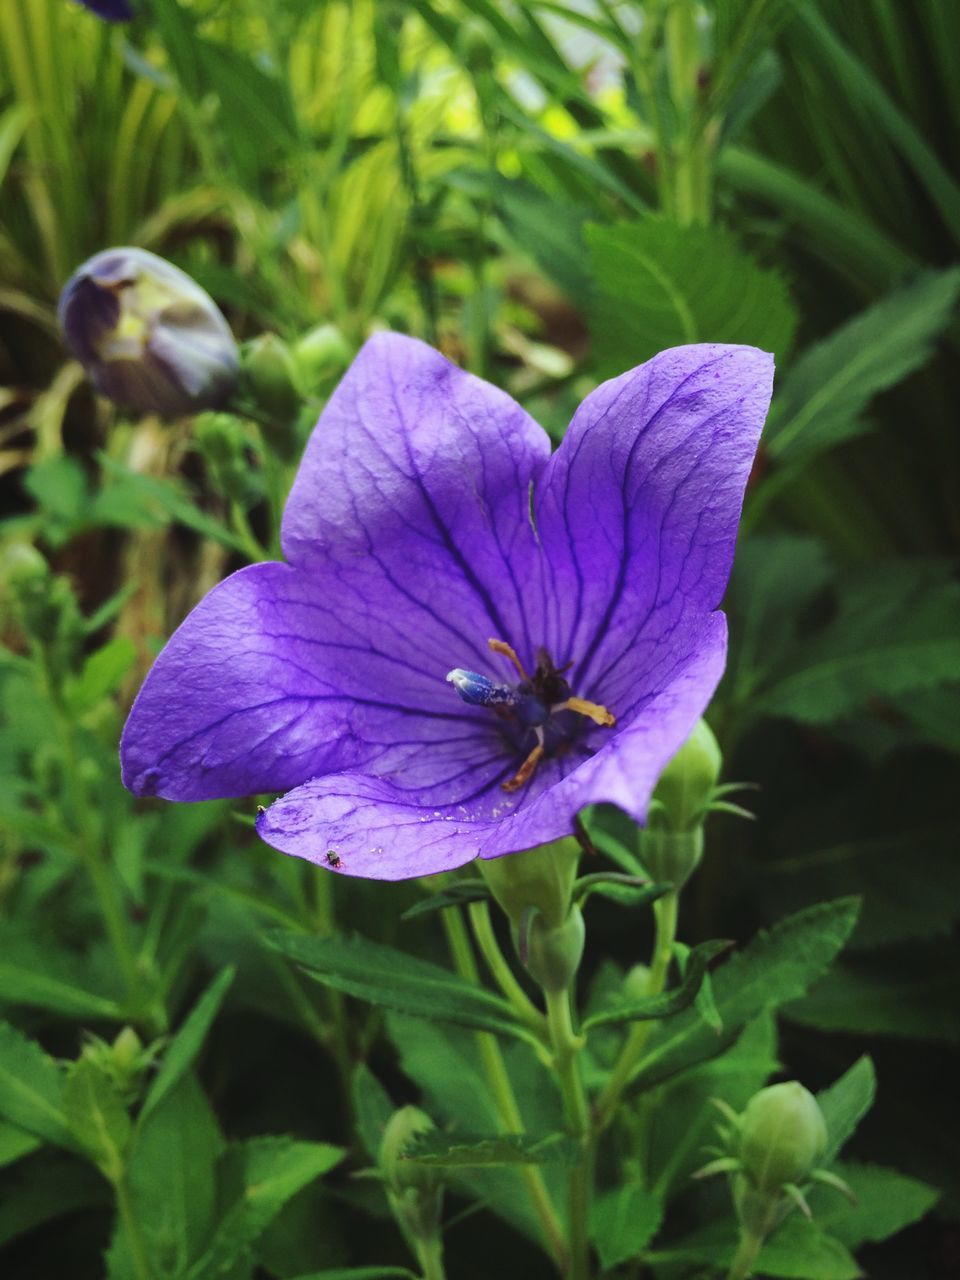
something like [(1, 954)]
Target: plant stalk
[(566, 1050)]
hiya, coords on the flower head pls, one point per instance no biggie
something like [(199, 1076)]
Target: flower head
[(148, 336), (471, 639)]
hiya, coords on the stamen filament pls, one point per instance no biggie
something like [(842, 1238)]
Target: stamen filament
[(528, 768), (592, 710), (508, 651)]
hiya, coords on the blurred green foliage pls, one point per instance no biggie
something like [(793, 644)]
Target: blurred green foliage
[(550, 192)]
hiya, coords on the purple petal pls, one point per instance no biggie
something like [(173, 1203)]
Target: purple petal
[(405, 825), (638, 512), (264, 685), (414, 493), (112, 10)]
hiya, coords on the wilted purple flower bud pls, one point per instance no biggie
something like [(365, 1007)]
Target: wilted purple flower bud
[(148, 336)]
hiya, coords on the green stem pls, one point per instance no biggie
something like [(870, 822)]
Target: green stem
[(500, 971), (504, 1097), (665, 911), (430, 1257), (134, 1233), (566, 1052), (746, 1255), (254, 551)]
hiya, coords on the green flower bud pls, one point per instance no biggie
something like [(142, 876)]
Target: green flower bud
[(415, 1191), (671, 857), (147, 335), (320, 355), (24, 567), (686, 784), (538, 879), (553, 955), (271, 374), (782, 1136), (222, 439), (636, 982)]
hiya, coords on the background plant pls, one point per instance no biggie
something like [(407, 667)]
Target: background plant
[(551, 193)]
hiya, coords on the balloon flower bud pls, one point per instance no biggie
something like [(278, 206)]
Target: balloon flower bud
[(671, 845), (541, 879), (321, 354), (415, 1190), (147, 335), (782, 1136), (272, 376)]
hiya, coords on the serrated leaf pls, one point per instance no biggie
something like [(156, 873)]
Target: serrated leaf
[(96, 1116), (670, 1002), (828, 387), (887, 1201), (846, 1102), (897, 628), (188, 1041), (272, 1170), (775, 968), (394, 980), (31, 1088), (469, 1151), (623, 1222), (660, 284), (919, 1004)]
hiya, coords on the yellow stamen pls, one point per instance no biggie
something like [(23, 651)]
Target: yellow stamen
[(507, 651), (526, 770), (593, 711)]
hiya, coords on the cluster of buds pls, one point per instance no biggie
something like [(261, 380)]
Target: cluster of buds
[(772, 1153), (414, 1191)]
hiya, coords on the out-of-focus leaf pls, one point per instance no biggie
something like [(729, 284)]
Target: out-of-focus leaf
[(897, 628), (776, 967), (623, 1222), (846, 1102), (22, 985), (96, 1115), (15, 1143), (271, 1170), (101, 674), (373, 1107), (188, 1041), (45, 1190), (31, 1088), (824, 392), (887, 1201), (885, 999), (659, 284), (799, 1250), (393, 980)]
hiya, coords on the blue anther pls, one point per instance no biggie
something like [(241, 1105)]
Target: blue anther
[(481, 691)]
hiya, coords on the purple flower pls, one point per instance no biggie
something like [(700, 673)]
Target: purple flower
[(428, 519), (112, 10)]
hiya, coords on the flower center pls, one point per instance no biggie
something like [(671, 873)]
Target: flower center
[(531, 703)]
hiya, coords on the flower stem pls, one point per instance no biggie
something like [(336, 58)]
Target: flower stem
[(665, 911), (566, 1050), (133, 1231), (746, 1255), (430, 1257), (500, 970), (504, 1097)]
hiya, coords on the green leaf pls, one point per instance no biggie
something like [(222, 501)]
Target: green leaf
[(31, 1088), (373, 1107), (19, 985), (897, 629), (465, 1151), (172, 1177), (887, 1201), (626, 890), (362, 1273), (46, 1189), (799, 1250), (820, 401), (271, 1171), (659, 284), (96, 1116), (458, 894), (188, 1041), (393, 980), (886, 999), (776, 967), (846, 1102), (15, 1143), (670, 1002), (623, 1222), (101, 674)]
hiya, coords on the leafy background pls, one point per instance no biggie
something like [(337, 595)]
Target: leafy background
[(551, 193)]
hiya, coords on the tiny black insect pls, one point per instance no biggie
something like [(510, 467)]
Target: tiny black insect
[(261, 808), (333, 859)]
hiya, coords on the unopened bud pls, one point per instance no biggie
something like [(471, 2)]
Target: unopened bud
[(321, 355), (538, 879), (147, 335), (683, 791), (782, 1136), (553, 955), (636, 982), (222, 440), (271, 374), (415, 1190)]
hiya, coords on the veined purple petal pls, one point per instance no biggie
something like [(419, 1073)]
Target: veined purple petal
[(395, 827)]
